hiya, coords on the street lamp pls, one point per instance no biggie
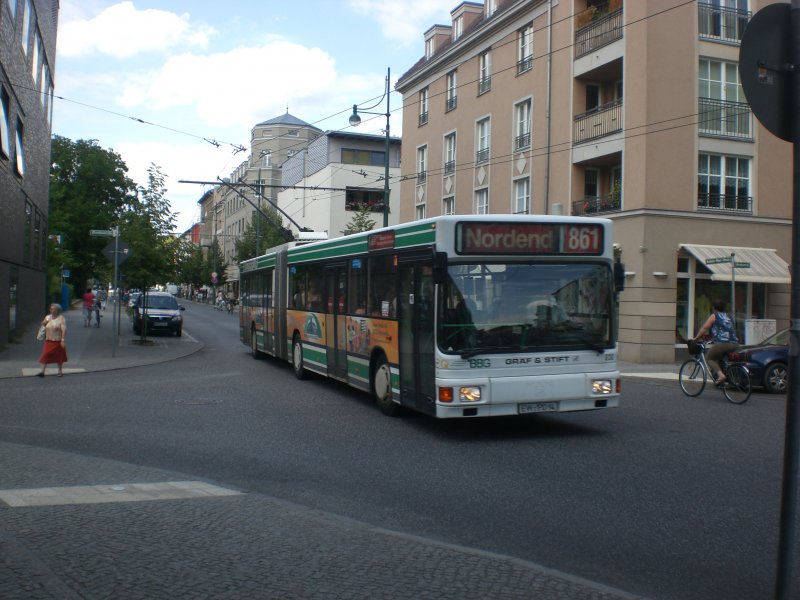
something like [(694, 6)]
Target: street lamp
[(355, 121)]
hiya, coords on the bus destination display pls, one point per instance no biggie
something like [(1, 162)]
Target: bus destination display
[(473, 238)]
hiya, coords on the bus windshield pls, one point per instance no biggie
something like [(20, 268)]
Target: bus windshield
[(502, 308)]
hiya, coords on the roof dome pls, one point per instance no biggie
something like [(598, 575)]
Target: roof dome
[(287, 119)]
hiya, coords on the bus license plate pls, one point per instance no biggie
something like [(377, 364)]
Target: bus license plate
[(537, 407)]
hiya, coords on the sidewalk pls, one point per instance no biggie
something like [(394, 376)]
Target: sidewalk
[(91, 348)]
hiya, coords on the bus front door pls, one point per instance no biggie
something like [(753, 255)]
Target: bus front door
[(335, 282), (416, 312)]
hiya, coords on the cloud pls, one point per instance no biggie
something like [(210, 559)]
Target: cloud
[(122, 31), (405, 21), (242, 86)]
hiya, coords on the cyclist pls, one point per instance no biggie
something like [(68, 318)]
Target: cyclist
[(720, 326)]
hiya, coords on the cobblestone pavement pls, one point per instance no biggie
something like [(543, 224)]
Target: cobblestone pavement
[(247, 546)]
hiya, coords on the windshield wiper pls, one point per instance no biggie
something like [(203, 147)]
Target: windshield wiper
[(487, 349)]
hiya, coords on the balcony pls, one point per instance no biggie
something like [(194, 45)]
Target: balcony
[(604, 27), (721, 24), (451, 103), (524, 64), (481, 156), (484, 85), (599, 122), (724, 203), (423, 118), (522, 141), (592, 205), (719, 118), (422, 177), (449, 167)]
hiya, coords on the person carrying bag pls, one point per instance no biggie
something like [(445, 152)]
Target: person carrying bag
[(54, 349)]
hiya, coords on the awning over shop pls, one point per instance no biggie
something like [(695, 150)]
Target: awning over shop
[(765, 264)]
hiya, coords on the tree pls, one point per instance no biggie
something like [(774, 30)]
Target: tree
[(260, 234), (361, 221), (89, 189)]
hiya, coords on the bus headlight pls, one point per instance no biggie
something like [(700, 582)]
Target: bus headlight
[(469, 394), (602, 386)]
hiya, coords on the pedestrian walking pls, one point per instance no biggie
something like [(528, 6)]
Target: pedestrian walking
[(97, 306), (55, 334), (88, 307)]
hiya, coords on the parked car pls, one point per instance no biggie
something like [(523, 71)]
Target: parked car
[(768, 362), (163, 313), (134, 296)]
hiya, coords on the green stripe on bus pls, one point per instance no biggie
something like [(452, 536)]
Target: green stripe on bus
[(314, 355), (358, 368)]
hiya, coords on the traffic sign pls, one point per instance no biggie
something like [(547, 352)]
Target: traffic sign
[(101, 232), (123, 251)]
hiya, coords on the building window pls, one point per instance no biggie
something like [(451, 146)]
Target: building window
[(362, 157), (20, 150), (723, 108), (419, 212), (355, 198), (482, 141), (5, 125), (522, 137), (449, 205), (723, 183), (35, 58), (423, 106), (452, 90), (266, 158), (482, 201), (26, 235), (37, 237), (484, 73), (293, 132), (522, 196), (429, 48), (422, 164), (591, 184), (450, 154), (723, 20), (525, 49), (12, 6), (458, 27), (26, 25)]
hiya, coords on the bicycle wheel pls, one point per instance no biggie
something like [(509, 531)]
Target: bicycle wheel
[(737, 387), (692, 377)]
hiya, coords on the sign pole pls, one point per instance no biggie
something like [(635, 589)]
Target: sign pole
[(115, 337)]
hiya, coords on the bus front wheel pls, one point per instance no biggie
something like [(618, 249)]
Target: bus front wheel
[(297, 358), (382, 387)]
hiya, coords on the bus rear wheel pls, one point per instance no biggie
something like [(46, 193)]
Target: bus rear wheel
[(297, 358), (381, 386)]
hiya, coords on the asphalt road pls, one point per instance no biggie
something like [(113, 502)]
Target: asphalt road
[(667, 497)]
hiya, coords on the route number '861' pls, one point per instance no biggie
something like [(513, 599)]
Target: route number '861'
[(584, 238), (479, 363)]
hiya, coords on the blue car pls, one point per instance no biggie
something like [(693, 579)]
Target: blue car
[(768, 362)]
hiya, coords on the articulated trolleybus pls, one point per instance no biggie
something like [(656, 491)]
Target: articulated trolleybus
[(454, 316)]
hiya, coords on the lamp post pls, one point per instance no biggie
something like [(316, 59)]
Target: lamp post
[(355, 121)]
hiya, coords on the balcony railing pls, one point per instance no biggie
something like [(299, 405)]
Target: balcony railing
[(603, 30), (522, 141), (589, 205), (452, 102), (723, 24), (423, 118), (481, 156), (524, 64), (484, 85), (599, 122), (724, 202), (724, 119), (422, 177), (449, 167)]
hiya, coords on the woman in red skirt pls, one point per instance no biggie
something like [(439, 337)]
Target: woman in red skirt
[(54, 350)]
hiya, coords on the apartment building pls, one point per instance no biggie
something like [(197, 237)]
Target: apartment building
[(272, 142), (632, 110), (338, 173), (27, 73)]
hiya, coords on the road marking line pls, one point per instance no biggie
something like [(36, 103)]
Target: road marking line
[(122, 492)]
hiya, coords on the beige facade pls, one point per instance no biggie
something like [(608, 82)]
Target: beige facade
[(631, 110)]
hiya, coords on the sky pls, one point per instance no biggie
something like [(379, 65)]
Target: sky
[(181, 83)]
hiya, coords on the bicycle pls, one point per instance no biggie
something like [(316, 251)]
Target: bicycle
[(694, 374)]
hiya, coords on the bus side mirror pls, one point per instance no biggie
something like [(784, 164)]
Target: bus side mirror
[(619, 276), (439, 267)]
